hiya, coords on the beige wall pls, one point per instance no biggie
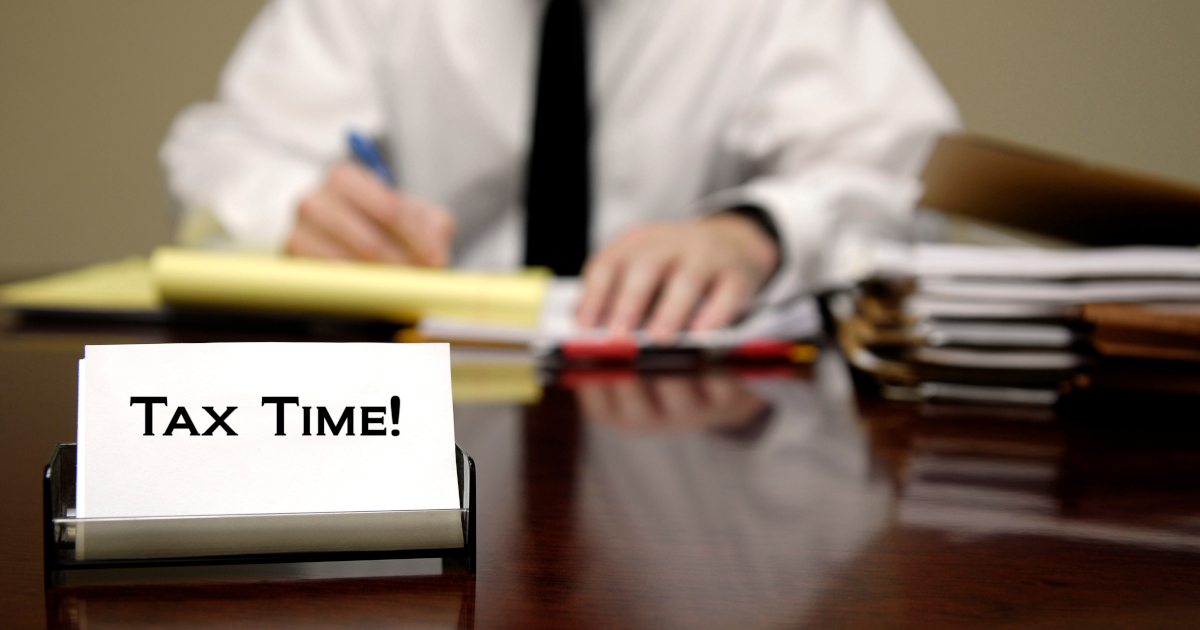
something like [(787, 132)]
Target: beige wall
[(88, 89), (1116, 81)]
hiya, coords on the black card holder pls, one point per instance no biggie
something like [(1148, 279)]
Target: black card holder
[(98, 543)]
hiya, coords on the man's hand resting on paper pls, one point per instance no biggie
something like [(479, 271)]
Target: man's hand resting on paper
[(693, 275), (354, 216)]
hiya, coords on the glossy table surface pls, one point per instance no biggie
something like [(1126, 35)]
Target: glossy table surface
[(730, 498)]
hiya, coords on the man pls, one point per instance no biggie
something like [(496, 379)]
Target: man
[(708, 154)]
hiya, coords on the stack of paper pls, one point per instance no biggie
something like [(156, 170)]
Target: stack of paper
[(1008, 322)]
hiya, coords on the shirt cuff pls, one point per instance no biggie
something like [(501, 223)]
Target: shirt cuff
[(259, 212), (824, 220)]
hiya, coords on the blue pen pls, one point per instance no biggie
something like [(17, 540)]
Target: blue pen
[(365, 150)]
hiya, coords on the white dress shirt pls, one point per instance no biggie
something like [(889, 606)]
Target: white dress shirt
[(819, 111)]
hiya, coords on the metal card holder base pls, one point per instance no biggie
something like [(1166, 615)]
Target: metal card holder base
[(61, 529)]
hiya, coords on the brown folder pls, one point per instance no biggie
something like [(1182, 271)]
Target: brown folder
[(1077, 201), (1152, 331)]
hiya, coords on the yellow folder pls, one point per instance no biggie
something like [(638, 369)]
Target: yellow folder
[(122, 286), (274, 283), (388, 292)]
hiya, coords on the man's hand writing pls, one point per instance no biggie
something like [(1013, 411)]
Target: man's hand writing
[(699, 274), (354, 216)]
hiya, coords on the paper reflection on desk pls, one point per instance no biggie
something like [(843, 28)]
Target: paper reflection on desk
[(774, 476)]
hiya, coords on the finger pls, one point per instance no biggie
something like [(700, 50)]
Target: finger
[(681, 293), (719, 390), (741, 411), (440, 227), (734, 403), (599, 277), (305, 241), (425, 229), (343, 223), (727, 299), (638, 282), (677, 396), (594, 402), (633, 407), (402, 219)]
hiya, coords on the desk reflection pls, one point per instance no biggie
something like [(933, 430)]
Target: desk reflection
[(372, 594), (721, 498), (726, 499), (765, 498), (1038, 473), (1031, 518)]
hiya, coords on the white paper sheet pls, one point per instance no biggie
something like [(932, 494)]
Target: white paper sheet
[(124, 473), (797, 319), (943, 259)]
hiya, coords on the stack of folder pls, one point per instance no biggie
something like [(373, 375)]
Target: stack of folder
[(1021, 325)]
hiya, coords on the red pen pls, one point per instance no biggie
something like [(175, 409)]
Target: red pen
[(627, 350)]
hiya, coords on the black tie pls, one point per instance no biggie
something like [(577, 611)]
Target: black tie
[(557, 186)]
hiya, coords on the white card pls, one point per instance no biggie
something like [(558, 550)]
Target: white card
[(229, 458)]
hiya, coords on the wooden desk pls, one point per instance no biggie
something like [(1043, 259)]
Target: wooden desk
[(756, 500)]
